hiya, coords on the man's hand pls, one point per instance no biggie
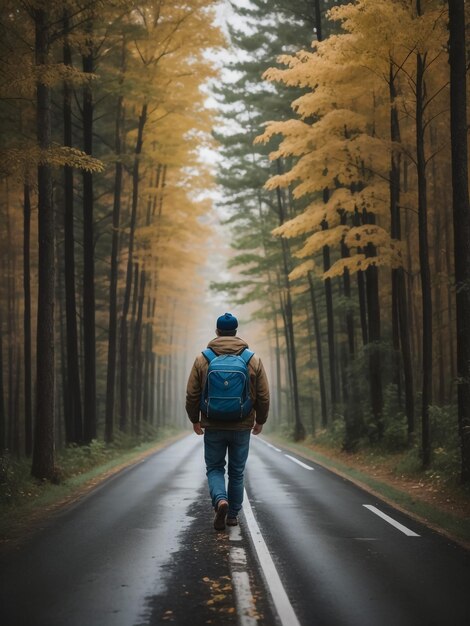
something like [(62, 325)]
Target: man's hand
[(257, 428), (197, 428)]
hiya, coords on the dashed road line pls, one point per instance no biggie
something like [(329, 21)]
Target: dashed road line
[(390, 520), (299, 462), (270, 445), (244, 599), (246, 610), (235, 533), (282, 605), (304, 465)]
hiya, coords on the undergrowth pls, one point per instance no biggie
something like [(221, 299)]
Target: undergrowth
[(396, 447)]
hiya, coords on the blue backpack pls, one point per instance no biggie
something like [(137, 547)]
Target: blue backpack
[(226, 394)]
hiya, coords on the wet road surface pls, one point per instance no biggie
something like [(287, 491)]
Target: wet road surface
[(140, 550), (340, 562)]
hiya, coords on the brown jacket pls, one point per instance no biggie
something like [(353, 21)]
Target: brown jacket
[(259, 388)]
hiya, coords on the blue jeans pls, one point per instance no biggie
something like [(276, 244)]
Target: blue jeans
[(216, 444)]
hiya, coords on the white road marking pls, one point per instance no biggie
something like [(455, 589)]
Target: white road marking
[(287, 616), (246, 610), (299, 462), (391, 521), (238, 556), (270, 445), (234, 533), (246, 606)]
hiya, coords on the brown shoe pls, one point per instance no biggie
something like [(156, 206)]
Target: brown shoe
[(221, 512), (231, 521)]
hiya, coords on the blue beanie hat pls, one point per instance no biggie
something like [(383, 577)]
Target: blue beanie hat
[(227, 322)]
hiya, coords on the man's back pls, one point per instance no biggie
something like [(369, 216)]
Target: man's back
[(259, 389)]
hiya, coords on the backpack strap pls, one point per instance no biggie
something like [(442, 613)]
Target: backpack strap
[(246, 355), (209, 354)]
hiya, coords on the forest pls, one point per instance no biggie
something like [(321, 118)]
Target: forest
[(340, 180), (351, 219), (102, 118)]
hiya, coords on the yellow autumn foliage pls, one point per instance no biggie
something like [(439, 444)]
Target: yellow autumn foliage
[(340, 137), (303, 269), (329, 237), (360, 263)]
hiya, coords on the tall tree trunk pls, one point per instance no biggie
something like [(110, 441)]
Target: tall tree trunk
[(405, 342), (318, 24), (449, 254), (330, 318), (11, 329), (319, 348), (43, 450), (89, 339), (394, 186), (374, 335), (349, 317), (290, 410), (425, 273), (162, 189), (73, 417), (132, 326), (137, 354), (164, 389), (28, 407), (12, 340), (152, 399), (127, 293), (147, 383), (113, 278), (159, 391), (289, 382), (299, 430), (412, 315), (361, 292), (440, 382), (351, 400), (170, 373), (461, 212), (62, 338), (153, 364), (399, 304), (2, 395), (277, 352), (16, 403)]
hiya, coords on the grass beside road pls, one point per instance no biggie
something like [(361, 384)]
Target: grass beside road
[(442, 506), (24, 501)]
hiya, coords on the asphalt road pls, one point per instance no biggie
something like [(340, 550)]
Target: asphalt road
[(140, 550), (343, 565)]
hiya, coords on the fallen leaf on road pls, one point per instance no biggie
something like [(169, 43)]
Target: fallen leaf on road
[(219, 597)]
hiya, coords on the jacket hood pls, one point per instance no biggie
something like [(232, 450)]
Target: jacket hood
[(227, 345)]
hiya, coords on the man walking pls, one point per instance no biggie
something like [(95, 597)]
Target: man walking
[(213, 416)]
